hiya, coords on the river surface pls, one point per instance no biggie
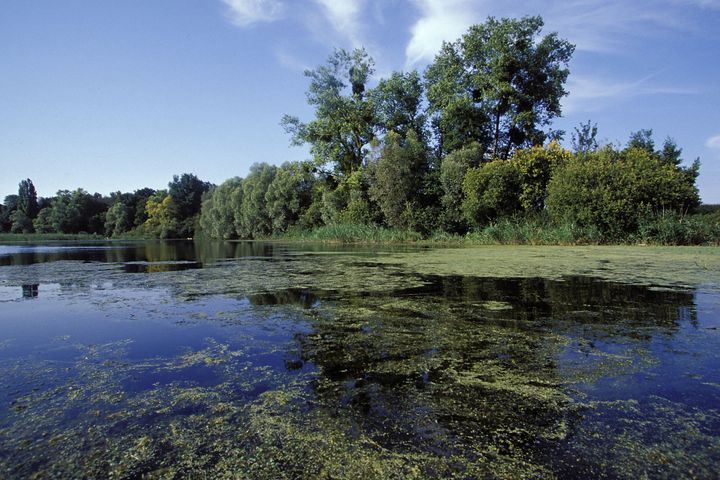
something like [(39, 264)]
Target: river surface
[(268, 360)]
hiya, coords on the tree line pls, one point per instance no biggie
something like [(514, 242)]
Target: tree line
[(464, 144)]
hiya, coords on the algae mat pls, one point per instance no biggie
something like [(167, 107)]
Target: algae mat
[(257, 360)]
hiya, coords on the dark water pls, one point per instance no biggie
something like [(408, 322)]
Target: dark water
[(259, 360)]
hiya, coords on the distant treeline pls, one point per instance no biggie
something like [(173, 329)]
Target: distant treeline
[(460, 149)]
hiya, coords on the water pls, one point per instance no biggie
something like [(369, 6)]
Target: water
[(264, 360)]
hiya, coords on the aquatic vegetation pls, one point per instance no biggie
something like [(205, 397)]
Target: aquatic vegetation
[(330, 364)]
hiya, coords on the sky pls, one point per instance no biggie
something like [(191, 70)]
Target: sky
[(113, 95)]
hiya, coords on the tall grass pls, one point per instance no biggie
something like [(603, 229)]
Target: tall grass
[(46, 237), (355, 233)]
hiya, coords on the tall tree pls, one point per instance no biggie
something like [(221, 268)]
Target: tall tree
[(344, 119), (27, 198), (398, 176), (502, 82), (186, 192), (398, 104)]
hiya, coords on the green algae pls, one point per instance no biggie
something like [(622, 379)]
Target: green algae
[(392, 369), (641, 265)]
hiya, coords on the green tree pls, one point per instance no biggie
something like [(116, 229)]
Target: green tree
[(217, 217), (27, 199), (453, 169), (642, 139), (344, 118), (43, 222), (584, 138), (614, 191), (397, 179), (254, 219), (536, 165), (505, 79), (10, 204), (289, 195), (186, 192), (20, 222), (118, 219), (161, 219), (398, 104)]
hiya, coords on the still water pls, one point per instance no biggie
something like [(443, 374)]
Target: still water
[(265, 360)]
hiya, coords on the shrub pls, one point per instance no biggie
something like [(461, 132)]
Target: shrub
[(491, 191)]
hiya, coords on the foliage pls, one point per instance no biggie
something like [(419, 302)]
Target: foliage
[(504, 79), (160, 221), (217, 217), (536, 166), (398, 176), (491, 191), (252, 219), (186, 192), (289, 195), (21, 223), (344, 120), (398, 104), (614, 191), (27, 199), (584, 138), (452, 175)]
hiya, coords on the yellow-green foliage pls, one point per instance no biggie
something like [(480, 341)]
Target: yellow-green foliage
[(536, 166), (614, 191), (161, 222)]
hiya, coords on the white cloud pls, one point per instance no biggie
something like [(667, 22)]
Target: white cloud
[(440, 21), (590, 93), (247, 12), (592, 25), (343, 16), (713, 142)]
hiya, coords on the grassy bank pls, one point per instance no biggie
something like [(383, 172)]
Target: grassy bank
[(47, 237), (659, 230)]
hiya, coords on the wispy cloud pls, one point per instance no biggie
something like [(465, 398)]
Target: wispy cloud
[(592, 25), (713, 142), (342, 18), (247, 12), (591, 93), (441, 20)]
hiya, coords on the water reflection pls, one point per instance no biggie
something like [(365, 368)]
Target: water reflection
[(291, 296), (30, 291), (262, 359)]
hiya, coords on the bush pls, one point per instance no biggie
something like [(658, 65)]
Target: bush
[(614, 191), (491, 191)]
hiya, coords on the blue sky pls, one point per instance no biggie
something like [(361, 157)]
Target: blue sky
[(117, 95)]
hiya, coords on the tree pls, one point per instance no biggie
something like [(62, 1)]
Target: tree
[(398, 176), (642, 139), (217, 216), (502, 82), (452, 175), (536, 166), (289, 195), (186, 192), (161, 220), (254, 219), (344, 118), (27, 199), (584, 138), (398, 104)]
